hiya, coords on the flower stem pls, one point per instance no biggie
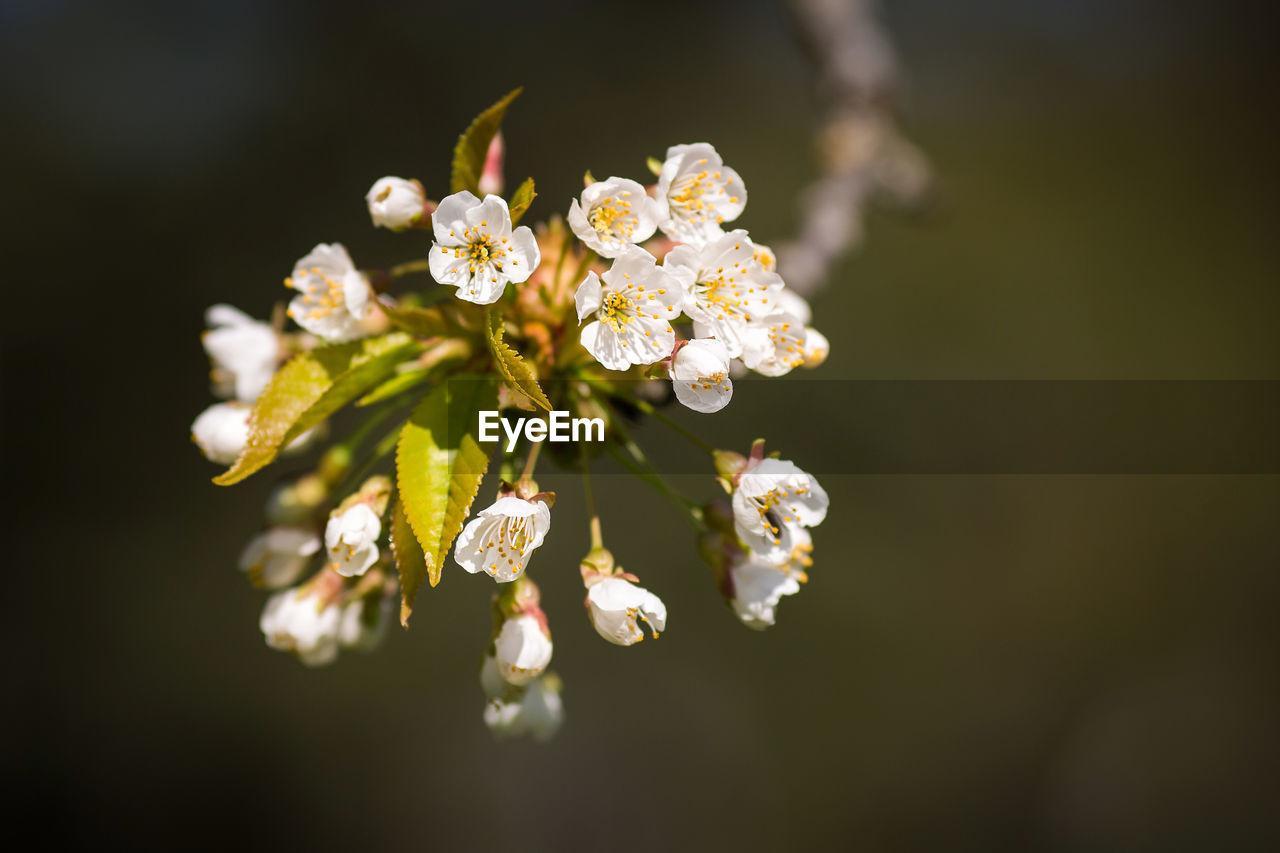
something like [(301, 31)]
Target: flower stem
[(597, 539), (531, 460), (648, 408), (640, 465)]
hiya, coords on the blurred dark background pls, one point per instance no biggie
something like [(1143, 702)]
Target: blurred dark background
[(1059, 662)]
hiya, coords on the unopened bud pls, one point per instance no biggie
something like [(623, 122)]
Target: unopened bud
[(491, 177)]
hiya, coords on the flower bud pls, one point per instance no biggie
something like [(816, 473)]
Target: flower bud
[(303, 622), (395, 203), (491, 178), (276, 557), (222, 431), (616, 605), (523, 649), (537, 711), (351, 538), (700, 375)]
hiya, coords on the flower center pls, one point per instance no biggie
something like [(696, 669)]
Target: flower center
[(715, 380), (612, 218), (689, 193), (512, 539), (482, 251), (615, 312), (321, 298)]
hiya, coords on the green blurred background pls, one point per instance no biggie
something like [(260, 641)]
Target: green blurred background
[(1058, 662)]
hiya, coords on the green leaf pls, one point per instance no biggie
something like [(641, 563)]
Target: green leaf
[(524, 196), (393, 386), (439, 465), (514, 369), (411, 562), (309, 388), (473, 145)]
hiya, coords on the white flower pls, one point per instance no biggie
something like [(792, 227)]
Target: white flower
[(523, 649), (277, 556), (351, 539), (774, 345), (773, 500), (500, 540), (726, 288), (364, 623), (696, 193), (334, 295), (613, 214), (758, 586), (297, 622), (700, 376), (632, 311), (395, 203), (816, 347), (790, 302), (222, 431), (538, 711), (475, 249), (617, 604), (243, 350)]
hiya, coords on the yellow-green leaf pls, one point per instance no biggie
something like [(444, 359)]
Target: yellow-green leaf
[(514, 369), (655, 165), (473, 145), (411, 562), (520, 201), (309, 388), (439, 465)]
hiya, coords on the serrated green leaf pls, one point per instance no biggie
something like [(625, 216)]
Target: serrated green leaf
[(514, 369), (473, 145), (520, 201), (411, 562), (309, 388), (439, 465)]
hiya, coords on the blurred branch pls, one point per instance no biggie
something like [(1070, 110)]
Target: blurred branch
[(860, 151)]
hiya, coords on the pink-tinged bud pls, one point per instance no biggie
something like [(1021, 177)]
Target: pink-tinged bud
[(491, 177)]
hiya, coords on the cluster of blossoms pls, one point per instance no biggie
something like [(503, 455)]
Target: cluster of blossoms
[(644, 286)]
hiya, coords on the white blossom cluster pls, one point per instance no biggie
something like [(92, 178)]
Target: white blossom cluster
[(726, 285), (713, 307)]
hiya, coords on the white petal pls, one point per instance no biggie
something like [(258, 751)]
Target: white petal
[(523, 256), (605, 346), (588, 297), (450, 217)]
